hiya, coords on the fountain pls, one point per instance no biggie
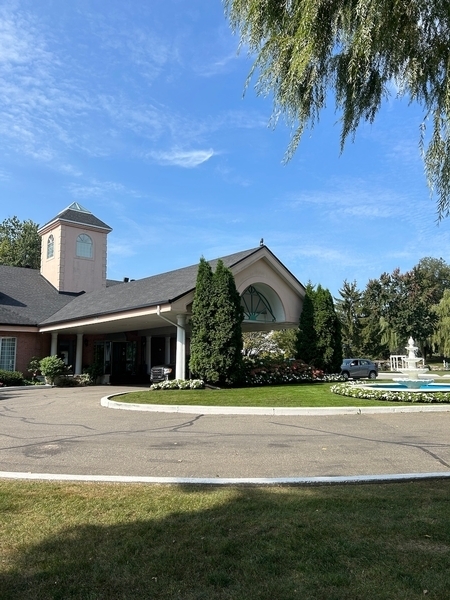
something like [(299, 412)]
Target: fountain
[(416, 377)]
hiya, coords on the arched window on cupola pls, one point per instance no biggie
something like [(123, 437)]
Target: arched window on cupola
[(84, 246), (50, 246)]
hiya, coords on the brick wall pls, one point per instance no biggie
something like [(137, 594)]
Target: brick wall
[(27, 346)]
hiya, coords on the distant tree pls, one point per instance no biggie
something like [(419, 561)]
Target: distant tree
[(306, 346), (216, 340), (434, 274), (349, 312), (202, 310), (20, 243), (441, 336), (355, 49)]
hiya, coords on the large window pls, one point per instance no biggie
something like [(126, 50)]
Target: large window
[(8, 354), (50, 246), (84, 246)]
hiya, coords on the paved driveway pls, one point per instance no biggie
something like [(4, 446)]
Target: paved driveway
[(57, 430)]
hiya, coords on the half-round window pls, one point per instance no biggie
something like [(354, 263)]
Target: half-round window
[(50, 246), (84, 246)]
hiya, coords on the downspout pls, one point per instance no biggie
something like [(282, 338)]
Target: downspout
[(158, 312)]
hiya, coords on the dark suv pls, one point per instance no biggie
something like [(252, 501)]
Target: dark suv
[(357, 368)]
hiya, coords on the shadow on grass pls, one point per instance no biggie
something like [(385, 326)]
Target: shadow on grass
[(242, 543)]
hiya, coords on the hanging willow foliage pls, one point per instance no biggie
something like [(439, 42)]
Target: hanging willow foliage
[(357, 48)]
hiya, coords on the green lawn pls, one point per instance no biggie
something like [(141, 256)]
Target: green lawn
[(106, 541), (303, 395)]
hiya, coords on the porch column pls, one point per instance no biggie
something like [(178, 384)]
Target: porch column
[(167, 350), (180, 370), (148, 352), (54, 344), (79, 354)]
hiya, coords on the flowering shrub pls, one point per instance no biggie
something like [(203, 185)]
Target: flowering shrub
[(278, 370), (179, 384), (354, 391)]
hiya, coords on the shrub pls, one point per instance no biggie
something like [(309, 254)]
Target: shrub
[(51, 367), (11, 378), (33, 368), (278, 370)]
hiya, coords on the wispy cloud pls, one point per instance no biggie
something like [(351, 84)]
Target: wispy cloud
[(187, 159)]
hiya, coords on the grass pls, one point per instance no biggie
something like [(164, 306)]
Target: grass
[(303, 395), (106, 541)]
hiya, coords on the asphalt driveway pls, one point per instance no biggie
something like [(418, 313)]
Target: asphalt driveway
[(67, 431)]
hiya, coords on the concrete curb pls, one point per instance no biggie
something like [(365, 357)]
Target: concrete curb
[(269, 411), (259, 481)]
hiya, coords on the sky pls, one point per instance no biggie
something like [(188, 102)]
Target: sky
[(139, 112)]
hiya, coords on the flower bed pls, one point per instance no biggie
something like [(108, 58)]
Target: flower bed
[(355, 391), (179, 384)]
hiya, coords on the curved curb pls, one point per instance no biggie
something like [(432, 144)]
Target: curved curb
[(269, 411), (260, 481)]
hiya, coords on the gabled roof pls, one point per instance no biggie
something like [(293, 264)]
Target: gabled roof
[(26, 298), (150, 291), (78, 215)]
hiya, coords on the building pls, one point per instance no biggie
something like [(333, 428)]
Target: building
[(70, 309)]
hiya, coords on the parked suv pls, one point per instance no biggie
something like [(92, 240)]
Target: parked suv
[(358, 367)]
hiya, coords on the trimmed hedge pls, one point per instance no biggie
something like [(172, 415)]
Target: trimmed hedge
[(11, 378)]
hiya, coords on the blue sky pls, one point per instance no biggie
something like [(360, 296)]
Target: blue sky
[(136, 111)]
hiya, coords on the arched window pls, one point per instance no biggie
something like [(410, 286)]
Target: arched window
[(50, 246), (84, 246)]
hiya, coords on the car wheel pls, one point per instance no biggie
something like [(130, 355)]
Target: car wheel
[(372, 375), (345, 375)]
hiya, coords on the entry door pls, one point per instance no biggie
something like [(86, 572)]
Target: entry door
[(158, 355)]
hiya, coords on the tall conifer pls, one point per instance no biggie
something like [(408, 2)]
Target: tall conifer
[(202, 308)]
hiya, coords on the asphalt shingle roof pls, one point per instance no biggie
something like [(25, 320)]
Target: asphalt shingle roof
[(27, 298), (150, 291), (80, 217)]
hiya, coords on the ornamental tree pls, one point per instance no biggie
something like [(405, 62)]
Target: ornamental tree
[(356, 49)]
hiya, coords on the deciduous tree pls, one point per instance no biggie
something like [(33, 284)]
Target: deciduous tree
[(357, 49), (20, 243)]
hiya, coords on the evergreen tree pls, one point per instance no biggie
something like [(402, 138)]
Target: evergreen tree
[(202, 309), (328, 332), (306, 345), (216, 340), (319, 341), (226, 324), (348, 309)]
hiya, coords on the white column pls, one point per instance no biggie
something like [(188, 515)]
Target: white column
[(79, 354), (54, 344), (167, 350), (148, 352), (180, 371)]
